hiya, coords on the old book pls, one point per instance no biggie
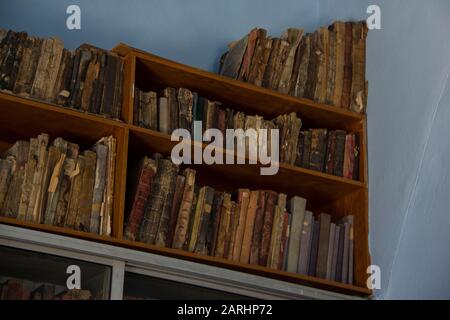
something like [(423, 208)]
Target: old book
[(297, 207), (108, 197), (331, 148), (83, 217), (249, 224), (305, 244), (306, 149), (163, 115), (277, 57), (164, 219), (214, 223), (349, 156), (196, 219), (44, 291), (191, 219), (177, 197), (108, 94), (284, 245), (314, 60), (330, 250), (61, 90), (198, 107), (243, 201), (335, 252), (79, 76), (152, 107), (75, 191), (293, 37), (224, 225), (99, 82), (11, 56), (200, 245), (300, 149), (21, 44), (92, 73), (26, 75), (338, 28), (322, 251), (100, 177), (277, 233), (314, 249), (230, 231), (358, 60), (233, 59), (318, 149), (258, 229), (340, 254), (356, 142), (260, 57), (25, 68), (156, 203), (222, 121), (33, 211), (7, 168), (330, 66), (339, 152), (300, 72), (172, 108), (244, 71), (118, 89), (269, 210), (322, 57), (144, 113), (347, 83), (209, 114), (27, 185), (15, 290), (345, 225), (229, 118), (185, 105), (19, 151), (348, 220)]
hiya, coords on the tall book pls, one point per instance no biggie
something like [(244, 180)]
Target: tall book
[(330, 251), (297, 206), (322, 251), (249, 226), (269, 210), (225, 221), (200, 245), (305, 244), (243, 201), (177, 198), (314, 248), (258, 229), (233, 60)]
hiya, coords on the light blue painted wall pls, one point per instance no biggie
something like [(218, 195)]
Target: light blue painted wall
[(195, 32), (407, 67)]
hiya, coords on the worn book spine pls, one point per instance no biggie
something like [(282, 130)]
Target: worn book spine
[(331, 67), (243, 200), (258, 229), (293, 37), (348, 222), (214, 223), (92, 73), (156, 202), (335, 252), (269, 210), (7, 168), (172, 108), (322, 58), (297, 206), (347, 83), (345, 251), (12, 52), (194, 234), (228, 246), (349, 156), (330, 250), (118, 90), (314, 249), (249, 51), (339, 152), (182, 225), (340, 254), (200, 246), (233, 228), (163, 115), (258, 63), (75, 191), (275, 239), (233, 59), (305, 244), (322, 251), (314, 54), (99, 186), (106, 212), (177, 197), (306, 149), (318, 149), (23, 72), (300, 77), (249, 226), (225, 217), (339, 31), (284, 243), (107, 105), (358, 58), (356, 154), (27, 185), (83, 215), (185, 103), (331, 148)]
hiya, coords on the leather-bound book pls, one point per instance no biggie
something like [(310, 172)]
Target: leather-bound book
[(76, 188), (356, 152), (181, 228), (293, 37), (15, 290), (172, 108), (233, 60), (349, 156), (273, 70), (243, 201), (107, 106), (12, 47), (338, 162), (347, 83), (200, 246), (322, 251), (284, 245), (249, 225), (99, 83), (330, 66), (300, 149), (196, 222), (229, 118), (306, 149), (338, 28), (156, 203), (163, 115), (340, 254), (152, 109), (185, 104), (164, 219), (248, 55), (86, 56), (322, 56), (44, 291), (331, 149), (7, 168), (231, 231), (277, 231), (301, 64), (209, 114), (177, 197), (269, 210), (83, 217), (359, 85), (92, 73), (214, 223), (224, 225), (260, 57), (62, 86), (345, 225), (146, 173), (222, 121), (314, 249), (118, 89), (297, 207), (258, 229), (101, 151), (305, 244), (24, 69), (314, 55), (27, 185), (318, 149)]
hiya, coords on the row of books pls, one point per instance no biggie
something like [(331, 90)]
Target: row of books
[(89, 79), (250, 226), (327, 66), (18, 289), (333, 152), (59, 185)]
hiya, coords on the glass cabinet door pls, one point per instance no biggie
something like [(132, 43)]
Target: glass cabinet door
[(29, 275), (143, 287)]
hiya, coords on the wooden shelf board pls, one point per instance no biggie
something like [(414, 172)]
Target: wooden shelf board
[(180, 254)]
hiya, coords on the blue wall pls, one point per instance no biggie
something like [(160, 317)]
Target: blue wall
[(407, 67)]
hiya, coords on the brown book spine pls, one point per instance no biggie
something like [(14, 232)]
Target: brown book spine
[(349, 156), (322, 251), (300, 76), (243, 200), (284, 242), (185, 104), (83, 217), (331, 67), (347, 84), (293, 37), (228, 246), (358, 87), (200, 245), (232, 61), (249, 226), (270, 203), (339, 31), (213, 229), (246, 60), (177, 197), (260, 57), (92, 73), (258, 229), (318, 149), (225, 217), (314, 53), (331, 148), (338, 161), (322, 57), (75, 191)]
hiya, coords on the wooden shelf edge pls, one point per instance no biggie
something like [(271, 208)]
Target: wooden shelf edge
[(43, 105), (124, 49), (285, 166), (209, 260)]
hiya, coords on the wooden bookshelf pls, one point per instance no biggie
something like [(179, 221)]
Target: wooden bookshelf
[(23, 118)]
